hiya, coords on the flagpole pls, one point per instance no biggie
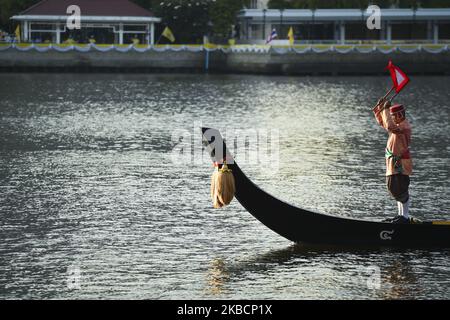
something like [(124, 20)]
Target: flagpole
[(207, 60), (392, 98), (387, 94), (159, 39)]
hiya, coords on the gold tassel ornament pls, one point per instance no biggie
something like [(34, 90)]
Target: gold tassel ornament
[(223, 186), (214, 189)]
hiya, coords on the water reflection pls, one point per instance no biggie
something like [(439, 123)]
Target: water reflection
[(400, 280), (217, 277), (340, 269)]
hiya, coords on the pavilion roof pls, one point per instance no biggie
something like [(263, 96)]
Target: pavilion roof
[(88, 8)]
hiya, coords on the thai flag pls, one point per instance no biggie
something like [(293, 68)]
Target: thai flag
[(272, 36)]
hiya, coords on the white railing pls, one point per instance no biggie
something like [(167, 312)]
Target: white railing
[(278, 49)]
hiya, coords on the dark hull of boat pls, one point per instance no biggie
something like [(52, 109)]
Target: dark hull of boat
[(300, 225)]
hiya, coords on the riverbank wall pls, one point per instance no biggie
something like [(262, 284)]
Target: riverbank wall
[(325, 60), (333, 63)]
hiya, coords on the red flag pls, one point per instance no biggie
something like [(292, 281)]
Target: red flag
[(399, 78)]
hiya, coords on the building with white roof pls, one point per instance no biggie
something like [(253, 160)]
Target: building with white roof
[(345, 25)]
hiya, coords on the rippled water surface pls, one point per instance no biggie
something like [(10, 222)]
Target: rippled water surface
[(93, 203)]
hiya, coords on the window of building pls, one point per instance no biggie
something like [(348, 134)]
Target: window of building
[(444, 31), (359, 31), (409, 31), (320, 32)]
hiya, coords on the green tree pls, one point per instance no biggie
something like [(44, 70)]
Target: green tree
[(222, 15), (381, 3), (190, 20), (434, 3), (146, 4), (282, 4), (9, 8)]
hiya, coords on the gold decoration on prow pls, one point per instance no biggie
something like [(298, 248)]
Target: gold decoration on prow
[(223, 186), (214, 189)]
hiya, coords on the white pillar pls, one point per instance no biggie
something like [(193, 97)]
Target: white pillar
[(342, 32), (58, 33), (121, 34), (250, 35), (25, 31), (389, 33), (152, 34), (435, 33)]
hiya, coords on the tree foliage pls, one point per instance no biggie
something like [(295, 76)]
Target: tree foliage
[(223, 15), (8, 8), (190, 20)]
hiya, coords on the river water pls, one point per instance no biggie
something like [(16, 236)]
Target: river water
[(97, 203)]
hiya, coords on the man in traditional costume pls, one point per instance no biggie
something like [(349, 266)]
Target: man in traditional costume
[(398, 157)]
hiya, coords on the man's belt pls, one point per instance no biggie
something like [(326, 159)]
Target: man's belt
[(398, 159)]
